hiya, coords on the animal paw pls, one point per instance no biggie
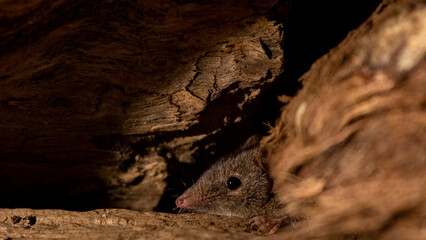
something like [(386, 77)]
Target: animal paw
[(265, 225)]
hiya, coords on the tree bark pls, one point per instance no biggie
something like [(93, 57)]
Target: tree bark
[(117, 224), (105, 103), (100, 100), (348, 152)]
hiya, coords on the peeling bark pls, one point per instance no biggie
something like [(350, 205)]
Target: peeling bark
[(348, 154)]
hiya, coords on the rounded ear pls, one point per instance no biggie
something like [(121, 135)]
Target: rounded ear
[(251, 142)]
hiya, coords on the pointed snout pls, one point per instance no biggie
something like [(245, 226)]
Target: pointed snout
[(186, 202), (180, 202)]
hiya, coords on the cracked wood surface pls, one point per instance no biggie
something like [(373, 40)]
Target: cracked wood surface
[(102, 96), (118, 224)]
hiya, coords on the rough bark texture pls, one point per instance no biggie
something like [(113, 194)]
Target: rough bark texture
[(109, 98), (99, 100), (348, 154), (117, 224)]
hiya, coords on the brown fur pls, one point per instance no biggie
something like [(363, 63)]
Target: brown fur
[(253, 198)]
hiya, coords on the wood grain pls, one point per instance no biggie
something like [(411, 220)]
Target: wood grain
[(91, 92)]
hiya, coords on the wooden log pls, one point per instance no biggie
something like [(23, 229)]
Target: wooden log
[(348, 154), (117, 224), (98, 99)]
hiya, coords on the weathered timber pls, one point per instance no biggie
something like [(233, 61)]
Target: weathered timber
[(348, 154), (99, 100)]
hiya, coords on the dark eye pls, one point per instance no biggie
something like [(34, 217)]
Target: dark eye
[(233, 183)]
